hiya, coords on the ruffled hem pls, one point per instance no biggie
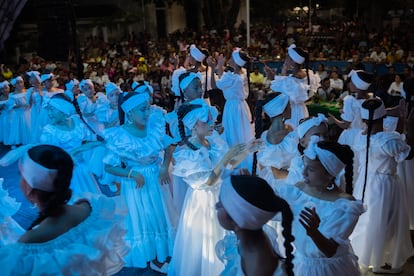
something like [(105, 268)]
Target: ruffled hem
[(94, 247)]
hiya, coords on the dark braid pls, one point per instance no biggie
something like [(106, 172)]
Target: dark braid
[(182, 111), (346, 155), (371, 105), (53, 157), (207, 54), (287, 219), (258, 129)]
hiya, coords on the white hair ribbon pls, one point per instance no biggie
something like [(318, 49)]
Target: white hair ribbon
[(308, 124), (45, 77), (175, 80), (237, 59), (34, 74), (37, 176), (69, 85), (191, 118), (141, 87), (3, 84), (244, 214), (277, 105), (196, 53), (294, 55), (85, 82), (134, 101), (357, 81), (378, 113), (329, 160), (63, 106), (184, 83), (15, 80)]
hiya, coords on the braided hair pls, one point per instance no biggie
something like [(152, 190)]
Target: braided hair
[(182, 111), (346, 155), (53, 157)]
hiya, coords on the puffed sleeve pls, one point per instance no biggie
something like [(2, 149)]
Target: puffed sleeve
[(397, 148), (348, 109), (226, 81)]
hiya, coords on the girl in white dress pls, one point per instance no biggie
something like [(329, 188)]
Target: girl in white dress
[(135, 156), (85, 238), (324, 215), (19, 124), (34, 99), (4, 111), (245, 204), (200, 162), (280, 142), (68, 132), (87, 101), (299, 86), (381, 238)]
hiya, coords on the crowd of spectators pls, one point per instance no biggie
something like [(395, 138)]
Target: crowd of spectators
[(139, 56)]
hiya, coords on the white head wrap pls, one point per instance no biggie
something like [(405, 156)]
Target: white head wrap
[(85, 82), (277, 105), (45, 77), (175, 80), (14, 80), (141, 87), (378, 113), (237, 59), (37, 176), (3, 84), (185, 82), (244, 214), (196, 53), (308, 124), (357, 81), (69, 85), (34, 74), (134, 101), (329, 161), (191, 118), (110, 86), (63, 106), (294, 55)]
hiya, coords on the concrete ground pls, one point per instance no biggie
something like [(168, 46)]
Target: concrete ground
[(26, 215)]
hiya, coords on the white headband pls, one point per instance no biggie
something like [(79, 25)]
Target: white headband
[(63, 106), (69, 86), (329, 161), (141, 88), (378, 113), (277, 105), (110, 86), (46, 77), (196, 53), (3, 84), (37, 176), (184, 83), (84, 82), (357, 81), (294, 55), (237, 59), (191, 118), (14, 80), (175, 80), (244, 214), (134, 101), (34, 74), (308, 124)]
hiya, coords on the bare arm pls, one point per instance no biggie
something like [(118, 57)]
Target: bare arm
[(164, 174), (126, 172)]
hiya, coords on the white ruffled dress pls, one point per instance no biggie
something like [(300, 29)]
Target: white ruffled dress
[(382, 233), (34, 99), (93, 247), (198, 228), (19, 120), (4, 121), (82, 179), (10, 230), (337, 221), (150, 230)]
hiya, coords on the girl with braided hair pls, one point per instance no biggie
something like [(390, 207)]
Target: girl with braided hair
[(245, 204), (200, 162), (84, 238), (325, 216), (381, 238)]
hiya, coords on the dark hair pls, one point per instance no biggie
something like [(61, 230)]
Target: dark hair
[(346, 155), (53, 157), (62, 96), (371, 105), (182, 111), (258, 192)]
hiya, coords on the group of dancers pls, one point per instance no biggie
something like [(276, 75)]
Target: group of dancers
[(267, 194)]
